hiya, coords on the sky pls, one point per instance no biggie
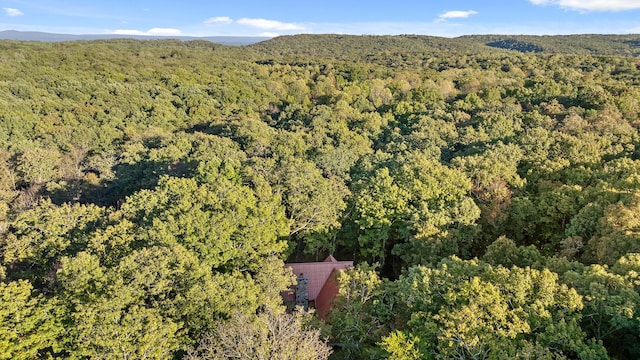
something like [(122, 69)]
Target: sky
[(282, 17)]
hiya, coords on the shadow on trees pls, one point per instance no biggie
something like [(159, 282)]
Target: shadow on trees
[(129, 179)]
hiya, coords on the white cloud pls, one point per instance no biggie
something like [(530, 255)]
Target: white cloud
[(128, 32), (269, 24), (150, 32), (218, 20), (12, 12), (456, 14), (269, 34), (592, 5), (164, 31)]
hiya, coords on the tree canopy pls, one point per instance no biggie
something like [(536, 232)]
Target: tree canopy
[(487, 187)]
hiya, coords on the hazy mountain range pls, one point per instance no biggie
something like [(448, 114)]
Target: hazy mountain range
[(51, 37)]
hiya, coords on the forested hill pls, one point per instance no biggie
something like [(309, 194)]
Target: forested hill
[(620, 45), (341, 46), (347, 46), (151, 191)]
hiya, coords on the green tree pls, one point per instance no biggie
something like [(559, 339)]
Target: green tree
[(610, 308), (30, 325), (113, 328), (249, 221), (314, 203), (472, 310), (400, 346), (39, 237), (359, 317), (494, 174), (506, 253), (411, 206), (617, 233), (268, 335), (38, 165)]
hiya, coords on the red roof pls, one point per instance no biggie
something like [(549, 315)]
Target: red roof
[(318, 273), (324, 301)]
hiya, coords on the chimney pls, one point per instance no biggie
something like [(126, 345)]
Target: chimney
[(302, 292)]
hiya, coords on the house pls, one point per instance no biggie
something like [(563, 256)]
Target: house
[(317, 284)]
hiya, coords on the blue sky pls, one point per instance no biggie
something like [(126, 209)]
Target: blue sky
[(279, 17)]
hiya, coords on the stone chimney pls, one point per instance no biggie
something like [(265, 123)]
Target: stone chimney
[(302, 291)]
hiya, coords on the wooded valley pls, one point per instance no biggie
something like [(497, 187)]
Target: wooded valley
[(487, 187)]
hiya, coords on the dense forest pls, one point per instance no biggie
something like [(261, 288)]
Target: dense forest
[(487, 187)]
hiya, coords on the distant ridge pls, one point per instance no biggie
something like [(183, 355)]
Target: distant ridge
[(344, 46), (581, 44), (372, 47), (51, 37)]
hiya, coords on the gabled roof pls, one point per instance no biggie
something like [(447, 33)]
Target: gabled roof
[(324, 301), (318, 272)]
